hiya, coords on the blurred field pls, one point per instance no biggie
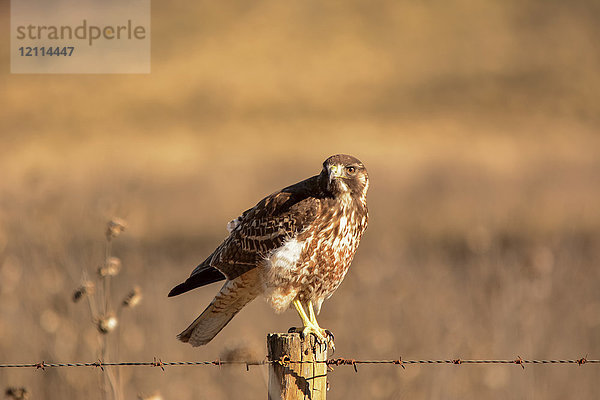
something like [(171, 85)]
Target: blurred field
[(478, 122)]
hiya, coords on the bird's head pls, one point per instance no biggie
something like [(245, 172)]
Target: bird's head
[(345, 175)]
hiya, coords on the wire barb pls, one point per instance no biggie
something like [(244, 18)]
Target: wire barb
[(158, 363), (343, 361), (99, 364), (519, 361)]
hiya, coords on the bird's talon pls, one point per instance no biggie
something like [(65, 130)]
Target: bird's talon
[(318, 335)]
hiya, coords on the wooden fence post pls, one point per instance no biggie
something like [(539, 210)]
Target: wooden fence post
[(295, 381)]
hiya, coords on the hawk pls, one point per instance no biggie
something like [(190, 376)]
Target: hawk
[(294, 247)]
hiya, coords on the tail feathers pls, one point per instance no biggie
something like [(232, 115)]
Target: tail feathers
[(200, 278), (234, 295)]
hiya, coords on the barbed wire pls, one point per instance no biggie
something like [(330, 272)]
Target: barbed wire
[(285, 360)]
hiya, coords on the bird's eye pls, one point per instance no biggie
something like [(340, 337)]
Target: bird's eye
[(351, 170)]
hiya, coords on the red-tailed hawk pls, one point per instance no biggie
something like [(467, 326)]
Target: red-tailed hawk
[(293, 247)]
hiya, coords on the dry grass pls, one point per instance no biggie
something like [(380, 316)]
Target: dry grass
[(478, 122)]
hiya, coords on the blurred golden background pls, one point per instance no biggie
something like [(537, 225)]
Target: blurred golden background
[(478, 122)]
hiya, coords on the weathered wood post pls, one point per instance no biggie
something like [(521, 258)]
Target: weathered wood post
[(295, 381)]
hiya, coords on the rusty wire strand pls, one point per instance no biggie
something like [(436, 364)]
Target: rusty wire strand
[(285, 361)]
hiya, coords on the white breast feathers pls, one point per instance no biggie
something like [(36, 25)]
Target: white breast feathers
[(286, 256)]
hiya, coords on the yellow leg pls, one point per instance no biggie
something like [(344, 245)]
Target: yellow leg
[(313, 317), (305, 320)]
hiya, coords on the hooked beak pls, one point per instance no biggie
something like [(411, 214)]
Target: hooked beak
[(335, 171)]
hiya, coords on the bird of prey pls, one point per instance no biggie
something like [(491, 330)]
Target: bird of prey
[(294, 247)]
